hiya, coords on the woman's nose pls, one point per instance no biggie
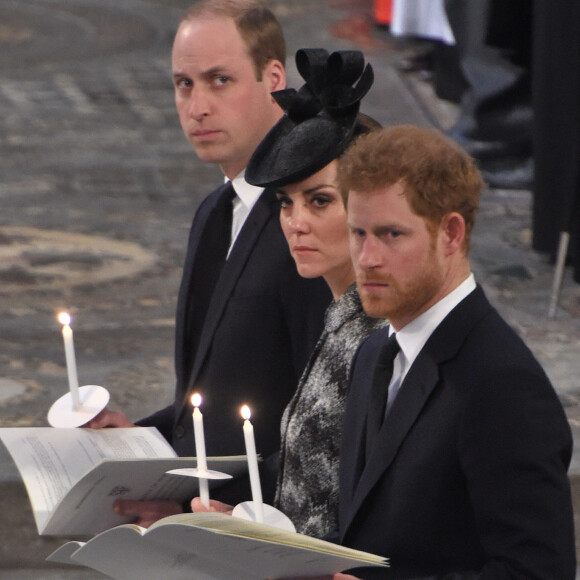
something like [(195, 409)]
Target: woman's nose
[(298, 219)]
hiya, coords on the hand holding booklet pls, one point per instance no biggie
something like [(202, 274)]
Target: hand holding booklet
[(73, 476), (210, 546)]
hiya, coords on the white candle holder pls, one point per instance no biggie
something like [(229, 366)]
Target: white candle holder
[(247, 509), (271, 516), (200, 473), (92, 400), (203, 475)]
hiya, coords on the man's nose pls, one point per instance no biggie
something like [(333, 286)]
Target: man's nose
[(199, 104), (369, 253)]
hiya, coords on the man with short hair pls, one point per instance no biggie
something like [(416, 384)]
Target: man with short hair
[(228, 57), (465, 475), (246, 322)]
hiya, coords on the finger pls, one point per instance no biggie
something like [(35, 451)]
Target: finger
[(96, 422), (214, 506), (108, 418), (102, 420), (197, 506)]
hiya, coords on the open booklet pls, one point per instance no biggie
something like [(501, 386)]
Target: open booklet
[(210, 546), (73, 476)]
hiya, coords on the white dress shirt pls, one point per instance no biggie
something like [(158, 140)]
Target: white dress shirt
[(413, 336), (246, 197)]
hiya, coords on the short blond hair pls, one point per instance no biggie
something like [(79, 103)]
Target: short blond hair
[(438, 176), (257, 25)]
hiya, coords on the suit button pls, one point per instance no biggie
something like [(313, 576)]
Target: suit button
[(179, 432)]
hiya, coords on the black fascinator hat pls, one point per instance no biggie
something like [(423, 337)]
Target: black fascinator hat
[(320, 120)]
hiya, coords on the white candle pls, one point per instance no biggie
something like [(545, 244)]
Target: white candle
[(71, 365), (253, 463), (200, 448)]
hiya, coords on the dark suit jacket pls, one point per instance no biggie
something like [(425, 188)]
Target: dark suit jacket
[(468, 475), (262, 323)]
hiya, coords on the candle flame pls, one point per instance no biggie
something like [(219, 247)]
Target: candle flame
[(64, 318), (196, 399), (246, 413)]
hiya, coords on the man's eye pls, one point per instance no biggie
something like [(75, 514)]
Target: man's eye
[(183, 84), (221, 80)]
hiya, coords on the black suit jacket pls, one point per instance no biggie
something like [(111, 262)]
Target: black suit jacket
[(262, 323), (468, 475)]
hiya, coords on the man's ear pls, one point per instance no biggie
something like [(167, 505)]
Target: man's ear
[(274, 75), (453, 230)]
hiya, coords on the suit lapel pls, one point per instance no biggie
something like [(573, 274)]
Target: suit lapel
[(184, 298), (413, 395), (258, 219), (354, 421)]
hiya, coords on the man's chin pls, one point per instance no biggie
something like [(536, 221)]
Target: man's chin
[(206, 156), (208, 152), (374, 307)]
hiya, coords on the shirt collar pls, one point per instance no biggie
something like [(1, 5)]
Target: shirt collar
[(248, 194), (413, 336)]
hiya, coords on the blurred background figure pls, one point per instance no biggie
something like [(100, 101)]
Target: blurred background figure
[(512, 68), (477, 54), (493, 48)]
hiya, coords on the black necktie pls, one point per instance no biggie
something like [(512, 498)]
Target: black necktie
[(208, 263), (380, 389)]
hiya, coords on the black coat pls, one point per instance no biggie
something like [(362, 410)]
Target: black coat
[(468, 476), (261, 326)]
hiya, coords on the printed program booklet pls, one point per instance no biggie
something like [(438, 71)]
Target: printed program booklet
[(210, 546), (73, 476)]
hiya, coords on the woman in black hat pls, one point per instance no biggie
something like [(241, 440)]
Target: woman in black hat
[(299, 159)]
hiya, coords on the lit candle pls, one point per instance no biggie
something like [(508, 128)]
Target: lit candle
[(200, 448), (71, 365), (253, 463)]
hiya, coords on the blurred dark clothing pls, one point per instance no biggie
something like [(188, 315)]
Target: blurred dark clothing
[(510, 29), (556, 98)]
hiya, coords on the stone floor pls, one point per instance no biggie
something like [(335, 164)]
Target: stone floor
[(98, 187)]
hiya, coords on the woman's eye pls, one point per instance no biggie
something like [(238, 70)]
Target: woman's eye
[(284, 201), (320, 201)]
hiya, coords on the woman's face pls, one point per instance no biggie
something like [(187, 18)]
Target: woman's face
[(313, 219)]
